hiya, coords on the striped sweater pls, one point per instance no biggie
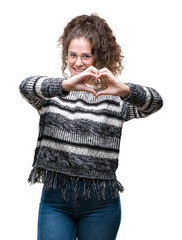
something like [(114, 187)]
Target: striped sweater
[(79, 136)]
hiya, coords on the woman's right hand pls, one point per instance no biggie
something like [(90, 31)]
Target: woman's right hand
[(77, 82)]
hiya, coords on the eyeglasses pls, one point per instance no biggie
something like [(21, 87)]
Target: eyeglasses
[(85, 57)]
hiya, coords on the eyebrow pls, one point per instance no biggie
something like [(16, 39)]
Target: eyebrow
[(76, 53)]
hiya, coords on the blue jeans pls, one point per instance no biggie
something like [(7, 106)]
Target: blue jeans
[(91, 219)]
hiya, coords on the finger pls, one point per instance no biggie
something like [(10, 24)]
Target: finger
[(90, 90), (104, 70), (97, 74), (83, 87), (103, 74), (93, 70), (86, 76), (91, 77), (90, 74)]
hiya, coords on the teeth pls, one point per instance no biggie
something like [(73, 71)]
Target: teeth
[(79, 70)]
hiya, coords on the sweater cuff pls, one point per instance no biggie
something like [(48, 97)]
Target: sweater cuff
[(52, 87), (137, 96)]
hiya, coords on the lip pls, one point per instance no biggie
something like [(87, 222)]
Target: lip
[(77, 70)]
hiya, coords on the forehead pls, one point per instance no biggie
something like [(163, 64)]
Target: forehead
[(80, 45)]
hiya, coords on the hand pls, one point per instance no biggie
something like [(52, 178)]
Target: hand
[(115, 87), (77, 82)]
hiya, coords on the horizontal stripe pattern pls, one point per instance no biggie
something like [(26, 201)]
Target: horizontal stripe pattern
[(79, 144), (38, 86), (80, 135), (89, 97), (62, 159), (73, 137), (82, 115), (105, 112), (155, 102), (78, 150), (81, 126), (148, 99), (109, 102), (85, 106)]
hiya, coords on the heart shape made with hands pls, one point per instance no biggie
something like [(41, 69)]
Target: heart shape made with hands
[(99, 83), (105, 83)]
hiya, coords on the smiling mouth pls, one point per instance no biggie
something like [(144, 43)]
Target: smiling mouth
[(78, 70)]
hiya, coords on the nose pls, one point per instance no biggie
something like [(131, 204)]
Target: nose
[(78, 61)]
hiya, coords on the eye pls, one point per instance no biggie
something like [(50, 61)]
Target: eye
[(87, 56), (72, 54)]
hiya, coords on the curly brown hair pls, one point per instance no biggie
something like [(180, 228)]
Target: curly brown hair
[(107, 52)]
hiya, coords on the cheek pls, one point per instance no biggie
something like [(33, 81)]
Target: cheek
[(93, 63), (90, 64), (70, 67), (69, 64)]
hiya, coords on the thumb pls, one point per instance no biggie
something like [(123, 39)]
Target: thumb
[(88, 89)]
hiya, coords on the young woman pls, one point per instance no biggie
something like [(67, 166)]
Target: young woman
[(81, 119)]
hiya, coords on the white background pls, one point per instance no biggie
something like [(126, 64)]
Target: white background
[(149, 32)]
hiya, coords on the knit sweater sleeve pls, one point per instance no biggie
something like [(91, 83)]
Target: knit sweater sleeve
[(37, 89), (141, 102)]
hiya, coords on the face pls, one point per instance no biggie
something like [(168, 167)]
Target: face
[(80, 55)]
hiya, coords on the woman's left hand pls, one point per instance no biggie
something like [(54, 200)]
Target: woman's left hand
[(115, 87)]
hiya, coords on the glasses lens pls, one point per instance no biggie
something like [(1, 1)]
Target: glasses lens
[(72, 55), (86, 57)]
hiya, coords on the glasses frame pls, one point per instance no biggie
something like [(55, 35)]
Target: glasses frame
[(85, 57)]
